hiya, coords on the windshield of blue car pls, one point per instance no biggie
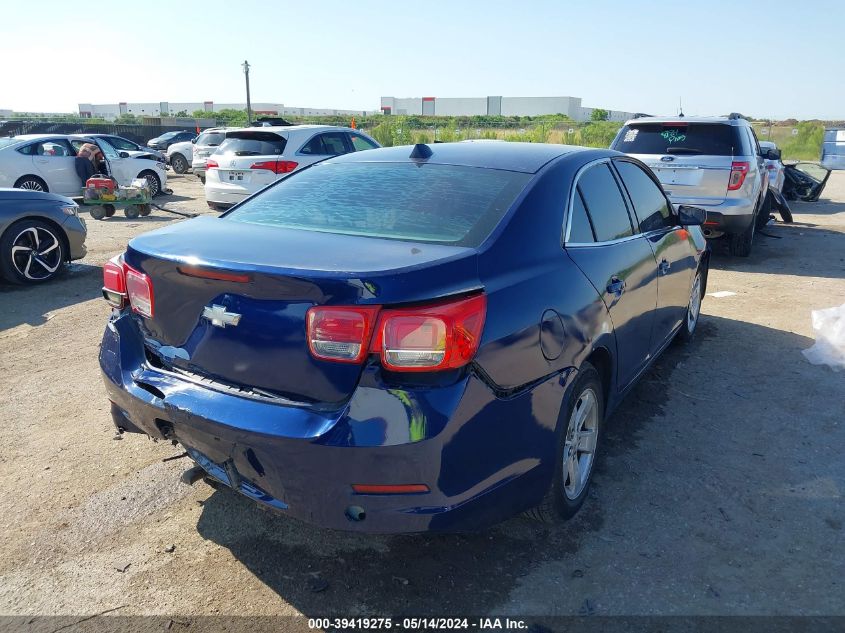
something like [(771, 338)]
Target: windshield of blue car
[(443, 204), (712, 139)]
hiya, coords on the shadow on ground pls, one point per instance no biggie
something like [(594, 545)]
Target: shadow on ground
[(33, 304), (782, 249), (322, 572)]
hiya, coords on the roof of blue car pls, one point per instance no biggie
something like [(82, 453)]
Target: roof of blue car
[(522, 157)]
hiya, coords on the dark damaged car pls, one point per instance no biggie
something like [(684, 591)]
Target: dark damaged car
[(406, 339)]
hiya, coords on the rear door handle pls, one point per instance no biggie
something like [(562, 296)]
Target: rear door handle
[(664, 266), (616, 286)]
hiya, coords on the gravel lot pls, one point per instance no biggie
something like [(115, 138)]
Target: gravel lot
[(720, 491)]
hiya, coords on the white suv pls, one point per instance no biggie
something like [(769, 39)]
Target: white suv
[(204, 146), (251, 158)]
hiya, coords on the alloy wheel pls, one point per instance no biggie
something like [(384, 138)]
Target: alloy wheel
[(580, 447), (36, 253), (32, 185), (152, 180)]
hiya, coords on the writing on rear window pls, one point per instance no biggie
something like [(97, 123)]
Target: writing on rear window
[(712, 139), (444, 204), (673, 136)]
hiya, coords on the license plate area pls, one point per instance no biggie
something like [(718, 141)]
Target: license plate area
[(237, 176), (227, 474)]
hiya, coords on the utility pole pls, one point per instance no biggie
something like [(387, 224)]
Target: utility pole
[(245, 66)]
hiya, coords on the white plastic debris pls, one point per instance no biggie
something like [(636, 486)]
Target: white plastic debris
[(829, 348), (721, 294)]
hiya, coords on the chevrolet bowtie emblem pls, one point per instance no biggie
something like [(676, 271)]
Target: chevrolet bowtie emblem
[(219, 317)]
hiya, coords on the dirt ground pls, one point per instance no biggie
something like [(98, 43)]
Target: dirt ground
[(720, 490)]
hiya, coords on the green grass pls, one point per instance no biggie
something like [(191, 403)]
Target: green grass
[(804, 144)]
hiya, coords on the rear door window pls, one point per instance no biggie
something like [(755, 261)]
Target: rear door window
[(253, 144), (329, 144), (650, 205), (580, 229), (605, 204), (335, 143), (52, 148), (712, 139), (314, 146)]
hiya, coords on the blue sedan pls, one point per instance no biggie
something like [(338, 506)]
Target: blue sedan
[(409, 339)]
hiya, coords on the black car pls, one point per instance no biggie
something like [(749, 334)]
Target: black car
[(169, 138), (39, 232)]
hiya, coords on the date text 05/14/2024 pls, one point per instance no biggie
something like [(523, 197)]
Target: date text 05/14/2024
[(417, 624)]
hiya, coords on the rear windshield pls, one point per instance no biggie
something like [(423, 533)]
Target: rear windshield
[(253, 144), (211, 138), (714, 139), (444, 204)]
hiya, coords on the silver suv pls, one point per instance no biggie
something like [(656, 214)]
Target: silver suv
[(204, 146), (714, 163)]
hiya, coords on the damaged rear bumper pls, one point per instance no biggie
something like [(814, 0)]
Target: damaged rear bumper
[(483, 458)]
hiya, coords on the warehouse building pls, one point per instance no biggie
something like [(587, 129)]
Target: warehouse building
[(495, 105), (111, 111)]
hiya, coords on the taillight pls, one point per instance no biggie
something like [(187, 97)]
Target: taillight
[(434, 337), (276, 166), (340, 333), (211, 164), (140, 291), (430, 338), (739, 170), (114, 283)]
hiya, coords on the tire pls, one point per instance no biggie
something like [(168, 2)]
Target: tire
[(566, 494), (687, 331), (98, 212), (132, 211), (202, 179), (785, 215), (764, 213), (33, 183), (145, 209), (739, 244), (153, 180), (179, 163), (110, 210), (31, 252)]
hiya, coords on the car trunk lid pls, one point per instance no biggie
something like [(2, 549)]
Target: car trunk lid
[(234, 310)]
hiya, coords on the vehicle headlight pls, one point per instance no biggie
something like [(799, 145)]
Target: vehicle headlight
[(71, 210)]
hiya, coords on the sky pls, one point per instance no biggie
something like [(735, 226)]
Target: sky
[(777, 59)]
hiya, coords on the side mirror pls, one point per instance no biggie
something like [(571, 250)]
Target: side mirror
[(691, 216), (772, 154), (123, 154), (193, 141)]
